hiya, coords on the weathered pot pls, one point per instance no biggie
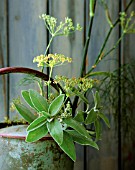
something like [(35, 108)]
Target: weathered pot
[(17, 154)]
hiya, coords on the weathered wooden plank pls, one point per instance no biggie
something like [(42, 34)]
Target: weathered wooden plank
[(70, 46), (27, 37), (3, 58), (128, 142), (106, 157)]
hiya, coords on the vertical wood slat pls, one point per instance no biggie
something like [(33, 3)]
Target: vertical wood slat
[(128, 56), (70, 46), (27, 37), (3, 58), (106, 157)]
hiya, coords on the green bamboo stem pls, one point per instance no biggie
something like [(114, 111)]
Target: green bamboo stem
[(102, 48), (92, 7), (106, 39), (92, 11)]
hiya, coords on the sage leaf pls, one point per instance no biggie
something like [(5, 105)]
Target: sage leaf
[(26, 96), (91, 117), (56, 104), (68, 146), (105, 119), (97, 100), (79, 116), (56, 131), (98, 129), (46, 114), (81, 139), (36, 123), (37, 133), (77, 126), (38, 101), (25, 112)]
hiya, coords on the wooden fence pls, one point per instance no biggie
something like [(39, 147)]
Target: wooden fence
[(22, 37)]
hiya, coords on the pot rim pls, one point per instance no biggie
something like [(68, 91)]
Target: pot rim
[(18, 132)]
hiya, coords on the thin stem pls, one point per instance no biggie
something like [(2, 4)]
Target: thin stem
[(48, 45), (115, 46), (92, 8), (49, 82), (88, 39), (107, 37)]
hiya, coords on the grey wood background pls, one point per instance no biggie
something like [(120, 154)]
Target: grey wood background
[(22, 37)]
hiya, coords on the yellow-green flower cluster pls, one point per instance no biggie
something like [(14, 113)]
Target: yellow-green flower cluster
[(67, 112), (50, 22), (51, 60), (127, 23), (72, 84), (63, 28)]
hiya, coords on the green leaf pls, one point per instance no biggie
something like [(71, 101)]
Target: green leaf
[(37, 133), (79, 116), (56, 104), (81, 139), (26, 96), (38, 101), (68, 146), (98, 129), (77, 126), (55, 129), (91, 117), (81, 96), (105, 119), (46, 114), (36, 123), (25, 112), (97, 100), (99, 73)]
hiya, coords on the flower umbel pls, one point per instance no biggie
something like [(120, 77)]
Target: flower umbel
[(51, 60)]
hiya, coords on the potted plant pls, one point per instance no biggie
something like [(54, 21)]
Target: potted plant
[(56, 112)]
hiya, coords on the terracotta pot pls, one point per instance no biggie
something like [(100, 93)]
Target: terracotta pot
[(17, 154)]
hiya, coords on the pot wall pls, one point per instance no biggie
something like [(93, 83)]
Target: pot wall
[(42, 155)]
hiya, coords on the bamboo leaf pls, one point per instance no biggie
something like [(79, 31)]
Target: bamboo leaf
[(99, 73), (25, 112)]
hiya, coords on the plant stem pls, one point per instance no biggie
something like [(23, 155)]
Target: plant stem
[(48, 45), (106, 39), (92, 11), (49, 82), (88, 36), (42, 70)]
